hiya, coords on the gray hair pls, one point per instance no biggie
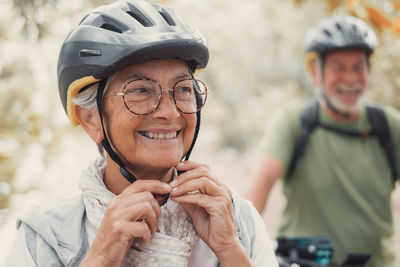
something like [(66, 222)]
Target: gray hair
[(87, 99)]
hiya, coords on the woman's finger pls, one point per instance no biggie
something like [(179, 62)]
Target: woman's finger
[(140, 211), (202, 185), (193, 171), (139, 197), (190, 164), (209, 203), (153, 186), (145, 213), (138, 230)]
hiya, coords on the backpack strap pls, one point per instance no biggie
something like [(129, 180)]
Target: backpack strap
[(309, 120), (358, 134), (380, 128)]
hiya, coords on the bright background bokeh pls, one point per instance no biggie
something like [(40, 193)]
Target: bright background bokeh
[(256, 65)]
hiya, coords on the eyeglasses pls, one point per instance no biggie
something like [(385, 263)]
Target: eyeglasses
[(143, 96)]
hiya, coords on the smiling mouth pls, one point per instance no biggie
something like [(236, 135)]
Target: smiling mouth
[(349, 92), (162, 136), (349, 89)]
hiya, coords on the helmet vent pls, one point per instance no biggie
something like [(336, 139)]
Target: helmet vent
[(339, 27), (327, 33), (354, 28), (142, 19), (110, 27), (167, 17)]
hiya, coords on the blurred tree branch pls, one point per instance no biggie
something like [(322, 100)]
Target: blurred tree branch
[(32, 14), (381, 14)]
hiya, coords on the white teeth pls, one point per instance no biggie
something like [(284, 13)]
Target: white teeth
[(169, 135)]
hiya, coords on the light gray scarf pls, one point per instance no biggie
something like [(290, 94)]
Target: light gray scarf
[(171, 245)]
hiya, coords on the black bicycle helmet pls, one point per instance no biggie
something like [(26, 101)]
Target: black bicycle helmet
[(340, 32), (120, 34)]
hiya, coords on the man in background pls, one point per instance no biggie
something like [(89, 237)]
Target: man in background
[(338, 157)]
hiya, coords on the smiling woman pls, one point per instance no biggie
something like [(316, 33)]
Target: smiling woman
[(133, 137), (126, 76)]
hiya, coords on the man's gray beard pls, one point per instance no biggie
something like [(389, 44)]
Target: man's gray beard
[(351, 109), (342, 107)]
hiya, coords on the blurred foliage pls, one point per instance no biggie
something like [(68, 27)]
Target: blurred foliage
[(257, 59), (256, 65), (30, 130), (31, 14), (380, 14)]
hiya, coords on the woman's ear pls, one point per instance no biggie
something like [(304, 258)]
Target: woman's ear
[(90, 121)]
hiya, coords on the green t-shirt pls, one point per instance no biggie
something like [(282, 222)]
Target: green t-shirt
[(341, 186)]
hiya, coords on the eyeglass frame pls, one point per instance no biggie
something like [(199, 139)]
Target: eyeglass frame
[(170, 92)]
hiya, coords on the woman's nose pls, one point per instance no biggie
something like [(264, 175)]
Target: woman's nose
[(167, 108)]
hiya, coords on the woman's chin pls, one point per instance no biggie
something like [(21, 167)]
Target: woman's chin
[(160, 162)]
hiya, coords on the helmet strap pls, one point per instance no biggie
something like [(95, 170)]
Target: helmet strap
[(196, 133), (197, 129), (106, 144)]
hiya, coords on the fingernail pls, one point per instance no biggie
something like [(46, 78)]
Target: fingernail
[(173, 183), (180, 165), (166, 186), (174, 190)]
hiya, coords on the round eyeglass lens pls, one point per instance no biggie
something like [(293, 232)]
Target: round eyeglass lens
[(190, 95), (142, 96)]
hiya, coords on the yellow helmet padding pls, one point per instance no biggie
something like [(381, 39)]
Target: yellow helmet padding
[(310, 58), (73, 90), (197, 71)]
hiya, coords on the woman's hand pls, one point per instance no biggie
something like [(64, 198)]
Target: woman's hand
[(131, 214), (209, 204)]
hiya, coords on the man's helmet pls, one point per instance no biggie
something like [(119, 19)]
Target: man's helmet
[(340, 32), (120, 34)]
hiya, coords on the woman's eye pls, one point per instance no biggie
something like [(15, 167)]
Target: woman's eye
[(184, 89), (140, 90)]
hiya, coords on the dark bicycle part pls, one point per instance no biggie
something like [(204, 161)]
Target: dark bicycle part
[(287, 262), (306, 251), (356, 260)]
